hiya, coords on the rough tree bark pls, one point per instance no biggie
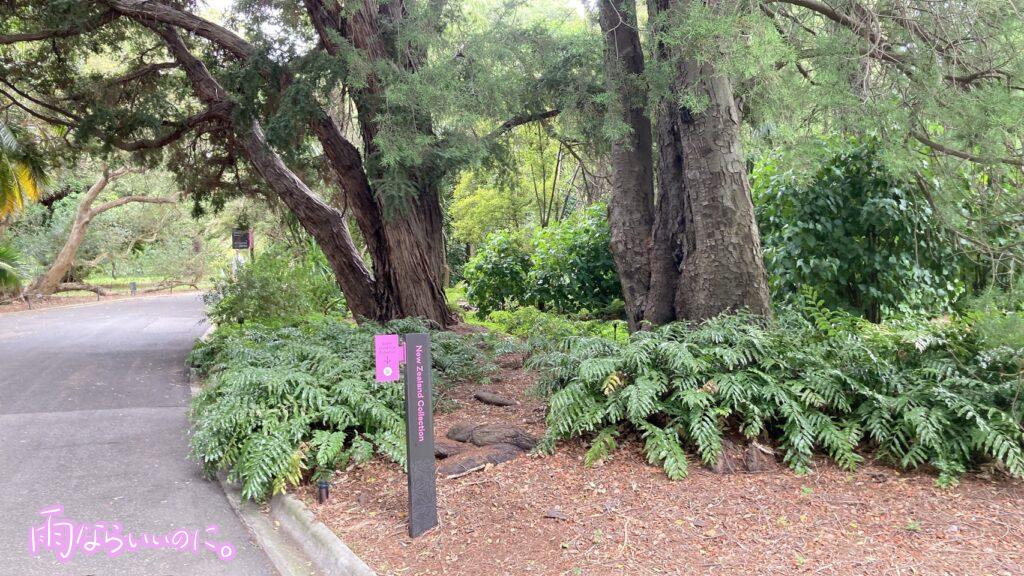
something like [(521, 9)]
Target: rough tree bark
[(51, 281), (406, 246), (630, 212), (699, 252)]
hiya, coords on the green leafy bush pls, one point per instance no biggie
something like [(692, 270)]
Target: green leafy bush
[(277, 284), (283, 404), (496, 275), (568, 268), (860, 237), (997, 316), (573, 268), (914, 393), (543, 330)]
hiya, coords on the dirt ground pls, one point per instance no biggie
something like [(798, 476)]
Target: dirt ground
[(552, 516)]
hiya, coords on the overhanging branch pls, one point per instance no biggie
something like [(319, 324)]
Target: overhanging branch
[(511, 123), (924, 139), (74, 30)]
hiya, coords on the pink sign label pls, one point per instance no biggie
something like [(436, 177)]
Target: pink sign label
[(388, 355)]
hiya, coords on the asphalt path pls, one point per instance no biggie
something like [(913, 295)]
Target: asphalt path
[(93, 417)]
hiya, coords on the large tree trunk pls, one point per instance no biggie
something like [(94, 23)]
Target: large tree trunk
[(405, 280), (694, 251), (723, 268), (405, 241), (630, 211)]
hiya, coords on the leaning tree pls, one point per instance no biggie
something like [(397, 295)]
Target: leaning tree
[(937, 83), (264, 110)]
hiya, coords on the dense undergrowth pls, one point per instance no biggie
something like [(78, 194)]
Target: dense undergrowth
[(911, 393), (287, 402)]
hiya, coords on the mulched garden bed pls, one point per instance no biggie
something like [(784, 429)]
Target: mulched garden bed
[(552, 515)]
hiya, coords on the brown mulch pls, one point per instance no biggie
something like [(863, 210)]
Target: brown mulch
[(551, 515)]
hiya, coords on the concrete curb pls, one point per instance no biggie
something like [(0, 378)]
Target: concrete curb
[(327, 551), (283, 552), (295, 542)]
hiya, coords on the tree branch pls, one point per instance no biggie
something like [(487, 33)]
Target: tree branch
[(39, 115), (126, 199), (146, 12), (924, 139), (212, 113), (511, 123), (74, 30)]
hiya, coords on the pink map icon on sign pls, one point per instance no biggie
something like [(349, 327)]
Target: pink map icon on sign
[(388, 354)]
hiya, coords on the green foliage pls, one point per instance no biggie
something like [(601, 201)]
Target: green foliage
[(914, 393), (22, 175), (861, 238), (283, 404), (496, 275), (11, 274), (544, 330), (569, 267), (573, 268), (997, 316), (277, 284)]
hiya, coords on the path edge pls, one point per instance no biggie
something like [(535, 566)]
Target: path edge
[(323, 551), (327, 551)]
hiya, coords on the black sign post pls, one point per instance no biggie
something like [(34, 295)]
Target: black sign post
[(240, 239), (419, 416)]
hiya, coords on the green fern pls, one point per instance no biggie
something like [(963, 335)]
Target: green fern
[(816, 380), (283, 403)]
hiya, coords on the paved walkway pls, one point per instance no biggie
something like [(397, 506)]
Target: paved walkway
[(93, 416)]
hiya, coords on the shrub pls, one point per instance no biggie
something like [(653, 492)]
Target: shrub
[(573, 268), (915, 393), (543, 330), (277, 284), (568, 268), (282, 404), (496, 275), (997, 316), (11, 271), (857, 235)]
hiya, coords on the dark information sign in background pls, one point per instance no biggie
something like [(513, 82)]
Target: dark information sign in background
[(419, 417), (240, 239)]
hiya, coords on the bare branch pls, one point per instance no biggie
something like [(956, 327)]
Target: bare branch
[(126, 199)]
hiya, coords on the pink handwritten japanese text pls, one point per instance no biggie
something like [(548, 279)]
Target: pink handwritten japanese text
[(66, 538)]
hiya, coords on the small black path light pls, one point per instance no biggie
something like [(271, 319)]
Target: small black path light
[(323, 491)]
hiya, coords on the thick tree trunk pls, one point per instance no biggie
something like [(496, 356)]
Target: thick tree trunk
[(723, 268), (694, 251), (630, 211), (406, 242), (404, 281), (401, 247)]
